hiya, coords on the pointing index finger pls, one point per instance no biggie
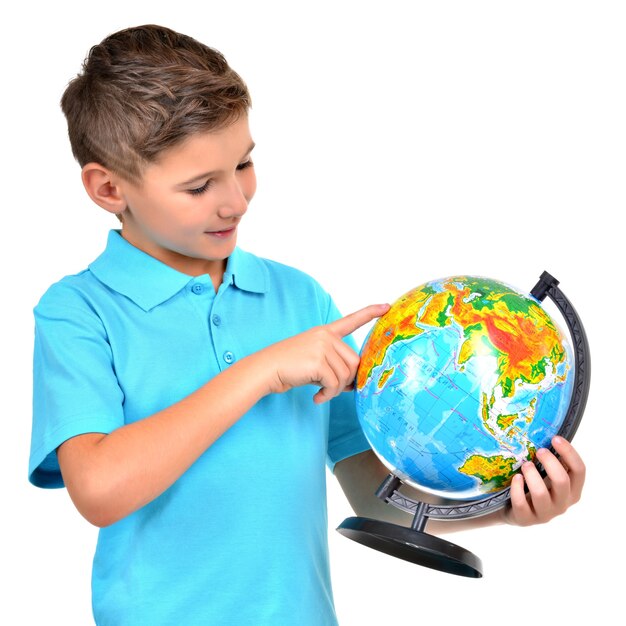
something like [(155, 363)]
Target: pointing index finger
[(348, 324)]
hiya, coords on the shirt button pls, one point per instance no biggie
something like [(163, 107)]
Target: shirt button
[(229, 357), (197, 289), (217, 320)]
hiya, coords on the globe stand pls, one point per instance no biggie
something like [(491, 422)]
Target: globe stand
[(413, 544)]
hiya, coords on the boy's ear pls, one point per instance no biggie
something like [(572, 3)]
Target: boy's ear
[(103, 188)]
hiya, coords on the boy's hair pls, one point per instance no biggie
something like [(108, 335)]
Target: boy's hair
[(143, 90)]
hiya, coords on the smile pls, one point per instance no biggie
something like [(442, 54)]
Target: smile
[(221, 233)]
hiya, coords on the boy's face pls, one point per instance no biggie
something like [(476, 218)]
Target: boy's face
[(187, 208)]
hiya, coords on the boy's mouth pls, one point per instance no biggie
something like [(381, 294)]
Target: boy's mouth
[(221, 233)]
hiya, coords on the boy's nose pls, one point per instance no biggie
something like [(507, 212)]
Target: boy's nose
[(234, 203)]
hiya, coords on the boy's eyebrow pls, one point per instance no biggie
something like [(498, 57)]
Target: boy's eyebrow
[(205, 175)]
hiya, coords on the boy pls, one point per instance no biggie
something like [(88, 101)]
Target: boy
[(172, 377)]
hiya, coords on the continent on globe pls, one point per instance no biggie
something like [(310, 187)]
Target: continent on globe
[(494, 470), (460, 383)]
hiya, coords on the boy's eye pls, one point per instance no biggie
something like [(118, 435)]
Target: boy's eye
[(198, 190), (245, 165)]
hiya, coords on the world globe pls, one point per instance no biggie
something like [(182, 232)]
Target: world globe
[(460, 383)]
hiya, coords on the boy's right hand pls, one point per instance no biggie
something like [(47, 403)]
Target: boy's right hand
[(319, 356)]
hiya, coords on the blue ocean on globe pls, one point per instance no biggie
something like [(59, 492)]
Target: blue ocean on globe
[(460, 383)]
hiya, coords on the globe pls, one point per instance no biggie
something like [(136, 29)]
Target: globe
[(460, 383)]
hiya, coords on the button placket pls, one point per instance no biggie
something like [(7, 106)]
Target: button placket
[(222, 341)]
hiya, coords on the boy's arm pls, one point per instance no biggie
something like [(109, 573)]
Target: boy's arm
[(110, 476), (361, 475)]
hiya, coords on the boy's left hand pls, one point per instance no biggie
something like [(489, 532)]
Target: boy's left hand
[(549, 497)]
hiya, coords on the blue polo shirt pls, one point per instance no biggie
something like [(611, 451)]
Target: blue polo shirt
[(241, 537)]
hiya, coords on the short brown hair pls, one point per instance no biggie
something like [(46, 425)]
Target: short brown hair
[(143, 90)]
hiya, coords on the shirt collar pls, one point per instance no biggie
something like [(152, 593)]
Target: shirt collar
[(247, 271), (148, 282)]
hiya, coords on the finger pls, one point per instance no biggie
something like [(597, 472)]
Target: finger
[(521, 511), (341, 369), (348, 324), (540, 498), (334, 377), (323, 395), (352, 360), (342, 363), (329, 386), (560, 487), (574, 465), (349, 357)]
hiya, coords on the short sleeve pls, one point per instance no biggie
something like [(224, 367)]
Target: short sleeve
[(345, 436), (75, 390)]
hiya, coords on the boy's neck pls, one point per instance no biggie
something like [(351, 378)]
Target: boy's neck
[(191, 266)]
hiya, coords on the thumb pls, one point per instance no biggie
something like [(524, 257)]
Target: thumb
[(348, 324)]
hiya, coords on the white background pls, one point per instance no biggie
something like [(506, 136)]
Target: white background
[(397, 142)]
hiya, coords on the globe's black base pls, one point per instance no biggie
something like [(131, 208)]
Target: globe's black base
[(412, 545)]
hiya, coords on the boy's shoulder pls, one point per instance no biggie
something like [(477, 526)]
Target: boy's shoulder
[(65, 292), (72, 289), (285, 283), (277, 273)]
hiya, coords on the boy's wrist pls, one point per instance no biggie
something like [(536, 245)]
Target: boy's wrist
[(257, 374)]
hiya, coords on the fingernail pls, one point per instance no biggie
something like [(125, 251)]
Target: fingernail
[(557, 439)]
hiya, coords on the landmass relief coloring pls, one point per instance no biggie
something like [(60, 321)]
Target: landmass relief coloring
[(477, 370)]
